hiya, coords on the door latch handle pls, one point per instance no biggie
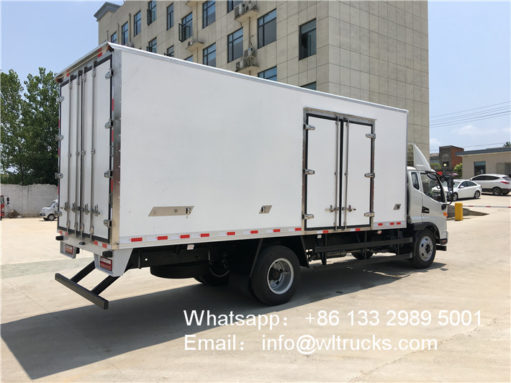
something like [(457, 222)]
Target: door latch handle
[(333, 209), (425, 210), (349, 208)]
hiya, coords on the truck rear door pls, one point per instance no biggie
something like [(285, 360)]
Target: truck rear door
[(85, 165)]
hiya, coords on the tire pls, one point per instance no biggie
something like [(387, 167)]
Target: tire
[(454, 197), (424, 249), (360, 255), (50, 217), (505, 193), (477, 194), (496, 191), (276, 275), (214, 277)]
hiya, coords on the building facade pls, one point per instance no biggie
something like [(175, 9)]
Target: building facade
[(448, 157), (371, 50), (493, 161)]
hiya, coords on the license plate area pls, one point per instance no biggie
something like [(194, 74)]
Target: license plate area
[(68, 250)]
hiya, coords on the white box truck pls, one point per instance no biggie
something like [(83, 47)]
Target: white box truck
[(196, 171)]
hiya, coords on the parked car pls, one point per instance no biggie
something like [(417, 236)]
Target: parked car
[(465, 189), (498, 184), (50, 212)]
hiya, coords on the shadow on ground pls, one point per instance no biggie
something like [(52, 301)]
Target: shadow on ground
[(51, 343)]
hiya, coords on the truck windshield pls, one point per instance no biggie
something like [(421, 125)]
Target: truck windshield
[(432, 187)]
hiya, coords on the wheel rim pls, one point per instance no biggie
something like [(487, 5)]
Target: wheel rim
[(477, 194), (455, 197), (496, 191), (280, 276), (426, 248)]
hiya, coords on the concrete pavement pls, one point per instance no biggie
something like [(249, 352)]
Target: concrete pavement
[(51, 334)]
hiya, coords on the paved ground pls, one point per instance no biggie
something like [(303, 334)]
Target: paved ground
[(51, 334)]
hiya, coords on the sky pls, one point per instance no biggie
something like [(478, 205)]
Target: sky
[(469, 60)]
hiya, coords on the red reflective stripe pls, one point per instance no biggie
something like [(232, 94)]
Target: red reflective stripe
[(104, 245), (276, 230), (67, 74), (399, 223), (254, 231), (325, 231), (136, 239), (100, 54), (231, 233), (357, 229), (162, 237), (203, 235), (380, 224), (96, 243), (298, 229), (112, 185), (185, 236), (392, 224)]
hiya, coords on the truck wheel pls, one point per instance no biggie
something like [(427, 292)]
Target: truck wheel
[(360, 254), (497, 191), (50, 217), (424, 249), (276, 275), (215, 277)]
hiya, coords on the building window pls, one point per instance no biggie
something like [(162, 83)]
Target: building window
[(137, 23), (151, 46), (208, 13), (269, 74), (307, 39), (170, 16), (151, 11), (231, 4), (185, 28), (209, 55), (267, 29), (125, 37), (311, 85), (189, 58), (113, 38), (170, 51), (235, 45), (479, 167)]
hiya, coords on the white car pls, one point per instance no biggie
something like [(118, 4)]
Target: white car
[(498, 184), (465, 189), (49, 213)]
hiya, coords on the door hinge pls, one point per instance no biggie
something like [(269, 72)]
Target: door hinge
[(308, 216), (59, 176), (109, 124), (59, 137), (372, 136), (308, 127), (107, 223), (109, 74), (109, 174), (369, 214), (60, 99), (309, 172), (369, 175)]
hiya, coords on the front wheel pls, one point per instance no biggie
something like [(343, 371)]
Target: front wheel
[(276, 275), (477, 194), (51, 217), (424, 249)]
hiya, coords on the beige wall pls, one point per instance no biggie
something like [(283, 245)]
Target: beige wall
[(494, 162), (371, 50)]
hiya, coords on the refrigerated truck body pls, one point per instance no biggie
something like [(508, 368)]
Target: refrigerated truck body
[(196, 171)]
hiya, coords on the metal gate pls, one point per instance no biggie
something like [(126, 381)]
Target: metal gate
[(85, 152)]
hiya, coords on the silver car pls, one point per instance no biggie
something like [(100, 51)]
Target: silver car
[(49, 213), (498, 184)]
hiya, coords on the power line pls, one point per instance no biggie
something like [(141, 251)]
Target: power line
[(470, 119), (471, 109)]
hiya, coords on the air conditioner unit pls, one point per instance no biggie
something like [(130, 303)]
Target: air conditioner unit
[(244, 8)]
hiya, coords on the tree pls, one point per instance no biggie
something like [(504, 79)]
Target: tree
[(14, 156), (507, 144), (41, 113), (459, 170), (29, 125)]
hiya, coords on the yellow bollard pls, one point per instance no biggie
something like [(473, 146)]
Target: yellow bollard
[(458, 211)]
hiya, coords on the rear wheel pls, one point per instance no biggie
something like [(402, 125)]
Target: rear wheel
[(497, 191), (424, 249), (477, 194), (360, 255), (276, 275)]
